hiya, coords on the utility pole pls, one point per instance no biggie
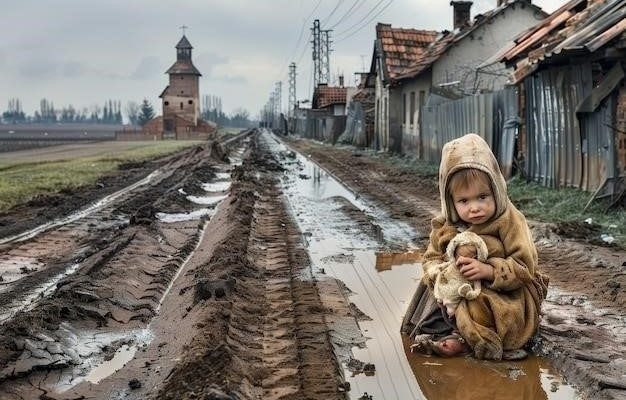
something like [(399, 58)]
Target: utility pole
[(317, 61), (292, 89), (277, 102), (325, 57)]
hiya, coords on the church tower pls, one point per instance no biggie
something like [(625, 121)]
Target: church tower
[(181, 97)]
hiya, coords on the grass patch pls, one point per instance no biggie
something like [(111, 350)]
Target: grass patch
[(21, 182), (563, 206), (566, 205)]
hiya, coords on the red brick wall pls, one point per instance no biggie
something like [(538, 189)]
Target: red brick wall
[(620, 134)]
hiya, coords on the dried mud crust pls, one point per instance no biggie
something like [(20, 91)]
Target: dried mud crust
[(583, 330), (264, 335), (123, 269)]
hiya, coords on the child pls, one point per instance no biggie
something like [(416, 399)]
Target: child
[(503, 318)]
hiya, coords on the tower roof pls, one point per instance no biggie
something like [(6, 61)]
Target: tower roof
[(183, 43)]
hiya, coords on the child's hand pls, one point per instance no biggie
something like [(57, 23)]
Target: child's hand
[(474, 270)]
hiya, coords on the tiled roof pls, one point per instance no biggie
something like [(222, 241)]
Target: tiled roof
[(441, 44), (580, 26), (399, 47), (183, 67), (325, 96)]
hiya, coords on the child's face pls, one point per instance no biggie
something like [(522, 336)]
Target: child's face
[(474, 204)]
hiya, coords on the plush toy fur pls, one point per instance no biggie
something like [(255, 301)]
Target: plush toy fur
[(450, 286)]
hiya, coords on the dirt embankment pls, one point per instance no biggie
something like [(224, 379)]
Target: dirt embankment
[(583, 330)]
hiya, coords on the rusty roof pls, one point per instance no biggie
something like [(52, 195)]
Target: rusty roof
[(446, 39), (325, 96), (579, 26), (400, 47), (183, 67)]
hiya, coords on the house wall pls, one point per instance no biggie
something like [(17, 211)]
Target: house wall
[(182, 91), (338, 109), (460, 61), (410, 120), (620, 137), (381, 122)]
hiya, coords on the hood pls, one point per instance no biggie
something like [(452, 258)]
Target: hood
[(470, 151)]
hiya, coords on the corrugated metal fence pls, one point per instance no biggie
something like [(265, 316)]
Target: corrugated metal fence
[(565, 148), (493, 116)]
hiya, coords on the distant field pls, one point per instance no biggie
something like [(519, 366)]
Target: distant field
[(27, 173)]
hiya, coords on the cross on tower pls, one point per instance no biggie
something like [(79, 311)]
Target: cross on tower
[(183, 28)]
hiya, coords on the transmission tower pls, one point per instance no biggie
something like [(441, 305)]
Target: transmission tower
[(277, 97), (292, 88), (325, 57), (317, 61)]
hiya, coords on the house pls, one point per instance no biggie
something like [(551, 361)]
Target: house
[(569, 70), (330, 98), (326, 119), (450, 65), (394, 50)]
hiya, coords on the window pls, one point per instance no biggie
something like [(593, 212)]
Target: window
[(182, 77), (166, 103), (404, 118), (190, 102), (181, 105), (412, 108)]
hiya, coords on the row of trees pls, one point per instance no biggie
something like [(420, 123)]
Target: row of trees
[(212, 111), (111, 113)]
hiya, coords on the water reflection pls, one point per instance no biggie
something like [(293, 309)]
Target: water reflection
[(387, 259)]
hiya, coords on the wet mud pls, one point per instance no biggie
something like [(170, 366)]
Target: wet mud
[(583, 330), (248, 271)]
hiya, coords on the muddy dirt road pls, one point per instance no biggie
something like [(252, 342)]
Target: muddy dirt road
[(247, 271)]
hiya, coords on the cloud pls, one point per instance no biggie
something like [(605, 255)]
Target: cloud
[(206, 62), (73, 69), (232, 79), (148, 67), (39, 69)]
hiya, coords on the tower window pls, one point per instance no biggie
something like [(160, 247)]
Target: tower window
[(181, 105), (181, 92), (167, 103), (190, 101)]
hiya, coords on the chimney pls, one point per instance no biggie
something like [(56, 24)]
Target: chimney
[(461, 13), (340, 80)]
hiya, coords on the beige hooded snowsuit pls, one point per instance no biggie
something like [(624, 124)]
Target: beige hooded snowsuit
[(506, 313)]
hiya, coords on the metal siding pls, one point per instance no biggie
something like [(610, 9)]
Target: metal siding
[(449, 120), (555, 155)]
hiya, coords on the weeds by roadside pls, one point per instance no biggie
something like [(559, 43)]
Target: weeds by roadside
[(563, 207), (20, 182)]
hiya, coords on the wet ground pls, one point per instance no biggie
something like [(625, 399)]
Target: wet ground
[(250, 270)]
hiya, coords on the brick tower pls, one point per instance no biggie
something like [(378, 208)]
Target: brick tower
[(181, 105)]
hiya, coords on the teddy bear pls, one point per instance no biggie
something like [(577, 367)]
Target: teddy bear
[(450, 287)]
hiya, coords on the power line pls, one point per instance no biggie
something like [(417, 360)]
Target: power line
[(298, 42), (365, 24), (346, 13), (362, 18), (332, 12)]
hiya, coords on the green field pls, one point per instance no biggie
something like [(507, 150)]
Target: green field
[(66, 167)]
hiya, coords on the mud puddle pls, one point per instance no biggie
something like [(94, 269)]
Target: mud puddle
[(98, 205), (379, 284)]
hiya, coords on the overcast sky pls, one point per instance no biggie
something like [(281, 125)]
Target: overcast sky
[(84, 52)]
